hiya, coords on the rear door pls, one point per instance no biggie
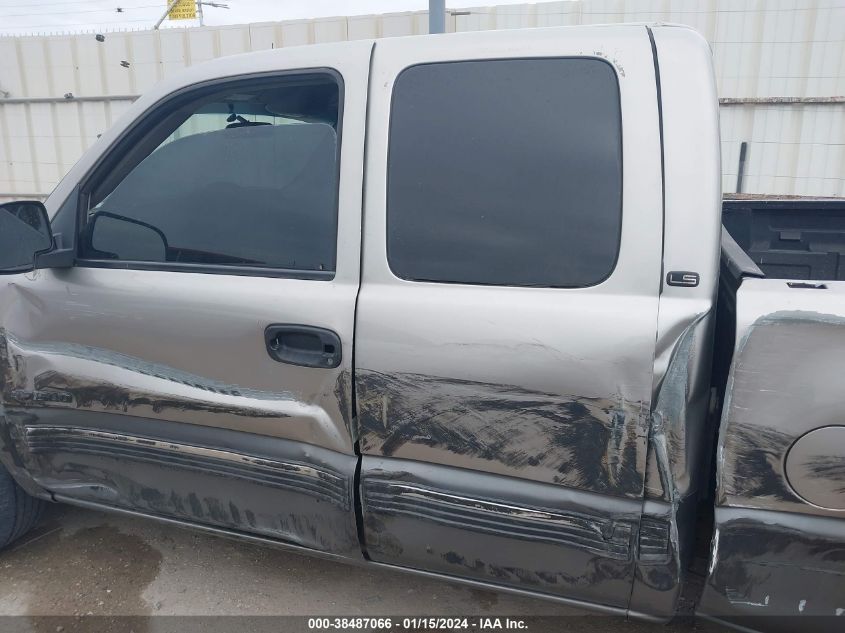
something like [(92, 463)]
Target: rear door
[(507, 316), (196, 361)]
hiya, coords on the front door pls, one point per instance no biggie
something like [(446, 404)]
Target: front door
[(196, 361), (507, 317)]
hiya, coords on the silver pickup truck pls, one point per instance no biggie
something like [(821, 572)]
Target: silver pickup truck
[(446, 304)]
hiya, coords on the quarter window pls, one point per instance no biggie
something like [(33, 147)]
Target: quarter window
[(505, 172)]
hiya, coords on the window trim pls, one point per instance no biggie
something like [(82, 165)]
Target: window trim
[(210, 269), (615, 264), (147, 124)]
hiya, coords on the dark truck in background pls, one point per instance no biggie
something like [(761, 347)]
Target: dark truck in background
[(452, 305)]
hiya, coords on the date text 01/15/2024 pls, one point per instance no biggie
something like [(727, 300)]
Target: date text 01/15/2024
[(417, 624)]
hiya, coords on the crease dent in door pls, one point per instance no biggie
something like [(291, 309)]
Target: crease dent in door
[(110, 429), (678, 449), (80, 377), (505, 530), (589, 443)]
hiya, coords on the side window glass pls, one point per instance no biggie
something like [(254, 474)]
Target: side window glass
[(248, 179), (505, 172)]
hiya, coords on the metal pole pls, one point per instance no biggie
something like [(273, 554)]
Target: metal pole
[(170, 6), (199, 11), (740, 170), (436, 16)]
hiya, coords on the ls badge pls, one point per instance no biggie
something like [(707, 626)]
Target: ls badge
[(682, 278)]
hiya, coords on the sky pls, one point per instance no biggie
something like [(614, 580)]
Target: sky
[(22, 17)]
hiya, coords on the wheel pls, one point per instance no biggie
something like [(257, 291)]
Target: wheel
[(19, 512)]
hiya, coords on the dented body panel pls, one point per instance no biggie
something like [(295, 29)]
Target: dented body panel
[(550, 388), (775, 552), (131, 420), (765, 411), (681, 427), (153, 390), (776, 571), (517, 533)]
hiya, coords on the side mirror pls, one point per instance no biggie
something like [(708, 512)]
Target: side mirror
[(113, 236), (24, 233)]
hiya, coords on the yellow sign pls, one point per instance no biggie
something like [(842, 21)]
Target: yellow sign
[(184, 10)]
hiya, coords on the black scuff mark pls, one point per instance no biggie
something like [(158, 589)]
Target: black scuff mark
[(153, 497), (597, 570), (670, 419), (762, 417), (343, 396), (216, 510), (177, 503), (15, 373), (89, 394), (829, 467), (674, 431), (12, 446), (389, 501), (453, 558), (235, 513), (380, 538), (762, 565), (196, 505), (595, 444), (754, 467), (661, 578)]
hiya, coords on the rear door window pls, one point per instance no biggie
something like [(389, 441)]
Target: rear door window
[(505, 172)]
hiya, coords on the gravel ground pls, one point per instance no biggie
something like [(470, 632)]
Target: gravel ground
[(130, 574)]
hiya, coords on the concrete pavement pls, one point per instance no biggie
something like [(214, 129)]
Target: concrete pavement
[(82, 563)]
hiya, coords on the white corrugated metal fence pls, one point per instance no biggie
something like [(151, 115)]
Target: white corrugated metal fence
[(780, 68)]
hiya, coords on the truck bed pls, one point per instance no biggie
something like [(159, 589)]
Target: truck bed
[(799, 239), (788, 244)]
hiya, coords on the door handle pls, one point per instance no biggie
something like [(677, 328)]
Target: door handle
[(303, 345)]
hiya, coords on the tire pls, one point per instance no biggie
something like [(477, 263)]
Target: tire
[(19, 512)]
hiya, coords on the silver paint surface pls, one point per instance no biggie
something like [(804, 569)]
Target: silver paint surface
[(815, 467), (774, 554), (785, 361), (680, 433)]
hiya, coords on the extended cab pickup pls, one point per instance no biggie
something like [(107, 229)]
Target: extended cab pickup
[(446, 304)]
